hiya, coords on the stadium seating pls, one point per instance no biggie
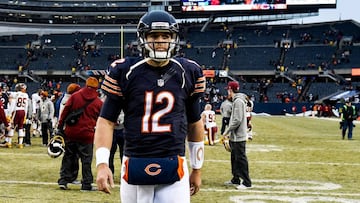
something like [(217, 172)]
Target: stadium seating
[(254, 49)]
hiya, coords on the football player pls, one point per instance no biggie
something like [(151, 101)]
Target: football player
[(4, 100), (4, 96), (249, 109), (4, 124), (159, 94), (36, 103), (19, 106), (209, 119)]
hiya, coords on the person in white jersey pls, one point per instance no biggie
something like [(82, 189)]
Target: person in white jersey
[(209, 118), (19, 106)]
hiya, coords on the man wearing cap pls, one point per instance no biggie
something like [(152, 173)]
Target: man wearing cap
[(71, 88), (79, 137), (237, 135)]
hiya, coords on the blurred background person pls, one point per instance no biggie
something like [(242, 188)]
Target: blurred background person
[(225, 110), (79, 137), (209, 119), (36, 102), (27, 125), (46, 116), (71, 88), (237, 135), (348, 114), (118, 141), (18, 110)]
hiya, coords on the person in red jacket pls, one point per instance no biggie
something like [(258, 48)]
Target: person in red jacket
[(79, 137)]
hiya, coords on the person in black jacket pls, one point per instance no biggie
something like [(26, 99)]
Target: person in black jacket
[(348, 114)]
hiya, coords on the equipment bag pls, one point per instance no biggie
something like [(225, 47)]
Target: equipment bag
[(73, 117)]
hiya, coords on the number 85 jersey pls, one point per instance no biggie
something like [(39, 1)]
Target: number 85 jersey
[(158, 102)]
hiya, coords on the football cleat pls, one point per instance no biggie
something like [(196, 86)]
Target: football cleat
[(7, 145)]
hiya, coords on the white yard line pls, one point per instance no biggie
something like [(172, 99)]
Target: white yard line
[(289, 162)]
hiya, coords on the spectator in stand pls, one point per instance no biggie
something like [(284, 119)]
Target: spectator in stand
[(303, 110), (320, 110), (326, 110), (294, 110)]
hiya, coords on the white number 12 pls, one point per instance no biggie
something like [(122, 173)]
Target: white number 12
[(150, 120)]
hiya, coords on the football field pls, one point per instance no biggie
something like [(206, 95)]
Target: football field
[(291, 159)]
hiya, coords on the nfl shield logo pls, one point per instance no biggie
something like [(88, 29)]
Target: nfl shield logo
[(160, 82)]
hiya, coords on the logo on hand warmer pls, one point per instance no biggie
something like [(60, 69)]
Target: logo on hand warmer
[(153, 169)]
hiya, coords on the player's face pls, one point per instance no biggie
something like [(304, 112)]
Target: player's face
[(159, 41)]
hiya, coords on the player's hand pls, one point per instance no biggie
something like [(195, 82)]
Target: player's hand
[(104, 179), (195, 181), (59, 131)]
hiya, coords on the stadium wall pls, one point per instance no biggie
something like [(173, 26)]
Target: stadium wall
[(282, 109)]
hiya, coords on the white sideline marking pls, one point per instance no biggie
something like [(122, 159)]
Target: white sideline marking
[(259, 196), (296, 185), (263, 148), (293, 191), (289, 162), (304, 199), (26, 182), (24, 154), (218, 160), (31, 182), (270, 192)]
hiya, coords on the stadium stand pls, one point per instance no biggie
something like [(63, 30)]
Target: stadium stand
[(251, 53)]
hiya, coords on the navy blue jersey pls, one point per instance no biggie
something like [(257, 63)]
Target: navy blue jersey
[(154, 100), (4, 99)]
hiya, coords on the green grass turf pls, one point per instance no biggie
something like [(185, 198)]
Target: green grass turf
[(291, 159)]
